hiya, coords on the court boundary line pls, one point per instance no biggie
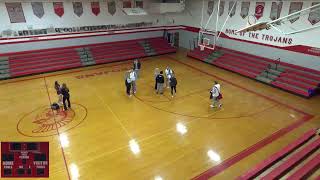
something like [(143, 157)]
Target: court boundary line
[(215, 170), (239, 86), (62, 149), (224, 165)]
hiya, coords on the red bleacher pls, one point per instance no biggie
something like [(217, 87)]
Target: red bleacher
[(160, 46), (296, 79), (117, 51), (308, 142), (34, 62), (306, 169), (31, 63), (198, 54)]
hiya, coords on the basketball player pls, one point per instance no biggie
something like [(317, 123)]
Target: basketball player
[(168, 73), (133, 77), (137, 67), (173, 85), (57, 87), (160, 82), (60, 96), (66, 96), (215, 95), (156, 73), (128, 83)]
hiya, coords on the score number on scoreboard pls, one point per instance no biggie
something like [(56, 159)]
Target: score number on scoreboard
[(24, 159)]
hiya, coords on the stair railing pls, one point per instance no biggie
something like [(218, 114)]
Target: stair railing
[(277, 63)]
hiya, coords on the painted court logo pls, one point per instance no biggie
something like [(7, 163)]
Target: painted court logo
[(43, 121), (49, 120)]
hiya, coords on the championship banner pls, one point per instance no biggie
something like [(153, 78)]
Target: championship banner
[(232, 11), (294, 7), (37, 8), (314, 15), (77, 8), (221, 7), (15, 12), (259, 10), (95, 8), (210, 7), (139, 4), (126, 4), (112, 7), (58, 8), (245, 6), (275, 10)]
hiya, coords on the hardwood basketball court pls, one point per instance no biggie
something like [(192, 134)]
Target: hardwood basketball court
[(171, 136)]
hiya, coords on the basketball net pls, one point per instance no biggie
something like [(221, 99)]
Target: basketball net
[(206, 44)]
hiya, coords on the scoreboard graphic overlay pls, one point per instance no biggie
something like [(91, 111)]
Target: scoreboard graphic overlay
[(24, 159)]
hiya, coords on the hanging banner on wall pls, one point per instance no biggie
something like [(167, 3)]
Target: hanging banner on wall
[(221, 8), (15, 12), (58, 8), (210, 7), (259, 9), (37, 8), (139, 4), (112, 7), (314, 16), (245, 6), (77, 8), (126, 4), (95, 8), (275, 10), (232, 11), (294, 7)]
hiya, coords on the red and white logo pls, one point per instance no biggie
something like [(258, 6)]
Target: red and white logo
[(259, 10)]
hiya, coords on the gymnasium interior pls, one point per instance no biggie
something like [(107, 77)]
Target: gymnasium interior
[(265, 56)]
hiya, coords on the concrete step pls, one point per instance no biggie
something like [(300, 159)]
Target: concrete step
[(86, 63), (213, 56), (268, 75), (218, 53), (4, 71), (151, 54), (4, 58), (4, 62), (210, 59), (275, 72), (87, 59), (4, 76), (86, 56), (150, 50), (264, 79), (4, 66)]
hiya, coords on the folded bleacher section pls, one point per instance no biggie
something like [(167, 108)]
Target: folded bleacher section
[(298, 160), (295, 79), (48, 60)]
